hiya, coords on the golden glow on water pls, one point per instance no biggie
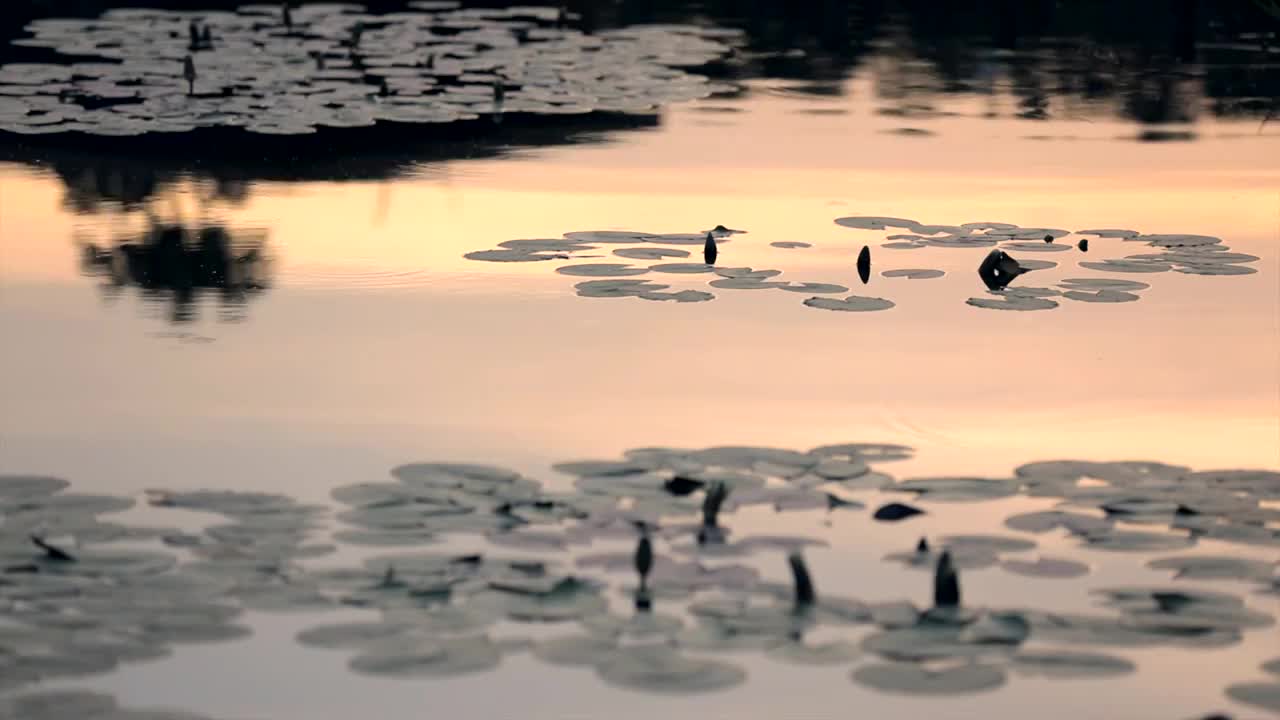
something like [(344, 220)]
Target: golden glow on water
[(378, 322)]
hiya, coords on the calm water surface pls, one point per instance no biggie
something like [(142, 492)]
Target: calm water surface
[(376, 344)]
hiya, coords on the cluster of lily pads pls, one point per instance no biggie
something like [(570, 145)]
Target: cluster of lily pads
[(79, 596), (1193, 254), (279, 70), (1184, 253), (617, 280)]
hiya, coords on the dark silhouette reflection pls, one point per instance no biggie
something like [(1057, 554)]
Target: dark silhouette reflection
[(178, 265), (998, 269), (1057, 60)]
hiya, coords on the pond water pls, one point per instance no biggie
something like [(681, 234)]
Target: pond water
[(353, 337)]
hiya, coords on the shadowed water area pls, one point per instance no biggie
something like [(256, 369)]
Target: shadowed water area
[(639, 359)]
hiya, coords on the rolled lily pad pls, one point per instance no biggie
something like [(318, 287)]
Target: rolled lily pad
[(853, 303), (658, 668), (911, 679), (914, 274), (601, 270), (893, 512), (1046, 567), (1065, 664)]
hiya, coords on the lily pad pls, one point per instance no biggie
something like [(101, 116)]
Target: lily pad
[(650, 253), (1064, 664), (415, 656), (914, 273), (658, 668), (1046, 567), (911, 679), (1265, 695), (853, 303), (601, 270)]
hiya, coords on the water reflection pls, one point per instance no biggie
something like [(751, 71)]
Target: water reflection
[(1055, 60), (176, 264)]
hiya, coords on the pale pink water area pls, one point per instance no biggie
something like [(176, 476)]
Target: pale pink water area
[(377, 343)]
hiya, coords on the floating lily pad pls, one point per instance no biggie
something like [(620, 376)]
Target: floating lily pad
[(914, 273), (1265, 695), (853, 303), (790, 245), (19, 487), (1012, 302), (349, 635), (913, 679), (876, 223), (1126, 266), (815, 287), (1137, 541), (585, 650), (601, 270), (1063, 664), (654, 253), (1035, 264), (658, 668), (1110, 233), (1046, 567), (428, 656), (681, 296), (1100, 296), (745, 284), (1103, 284), (1213, 567), (798, 652)]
